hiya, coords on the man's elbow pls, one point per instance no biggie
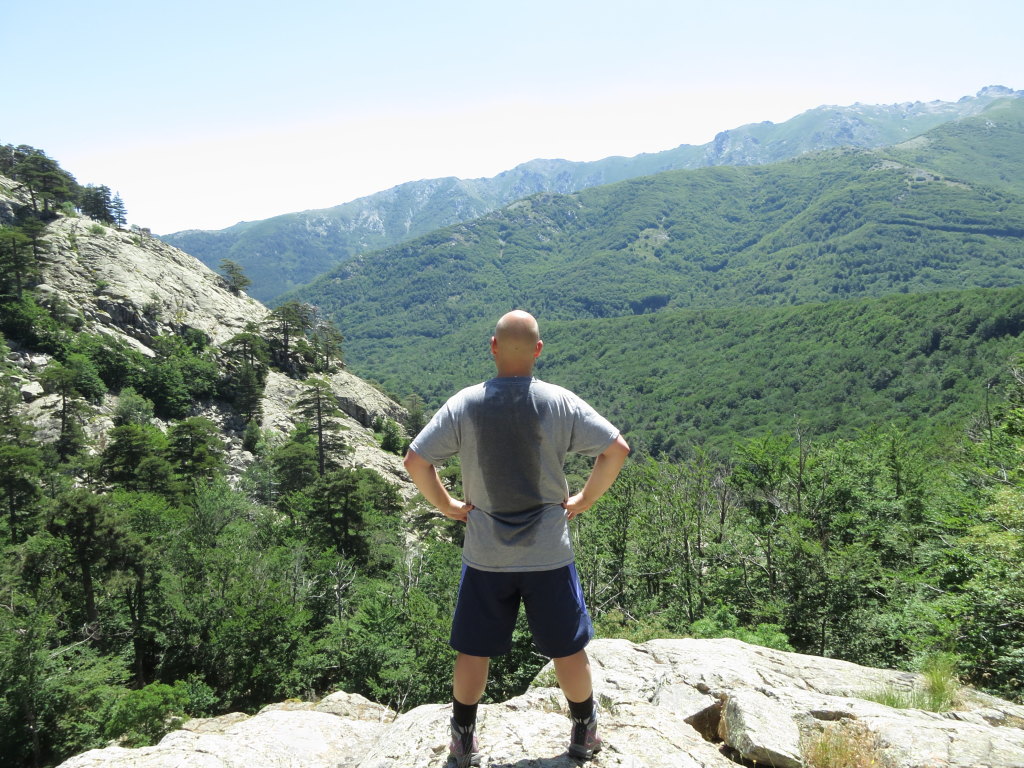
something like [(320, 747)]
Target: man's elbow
[(619, 448), (411, 461)]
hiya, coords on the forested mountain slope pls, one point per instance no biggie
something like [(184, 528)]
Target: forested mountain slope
[(681, 378), (142, 587), (167, 444), (292, 249), (834, 225)]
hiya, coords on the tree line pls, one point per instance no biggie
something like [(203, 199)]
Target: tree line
[(881, 549), (52, 190)]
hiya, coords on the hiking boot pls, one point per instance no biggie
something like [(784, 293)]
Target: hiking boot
[(585, 742), (464, 750)]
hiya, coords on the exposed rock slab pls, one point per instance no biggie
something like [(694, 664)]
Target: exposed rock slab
[(138, 285), (282, 393), (134, 287), (666, 703)]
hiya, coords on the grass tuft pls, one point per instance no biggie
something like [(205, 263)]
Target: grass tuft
[(939, 691), (844, 746)]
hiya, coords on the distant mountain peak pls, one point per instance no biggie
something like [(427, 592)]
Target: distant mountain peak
[(998, 91)]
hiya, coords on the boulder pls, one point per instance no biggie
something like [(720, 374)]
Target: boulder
[(665, 703)]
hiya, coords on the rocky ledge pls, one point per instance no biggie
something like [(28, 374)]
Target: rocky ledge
[(671, 703)]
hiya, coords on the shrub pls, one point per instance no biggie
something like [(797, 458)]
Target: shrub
[(118, 364), (140, 718), (26, 322), (132, 408), (724, 624), (391, 437)]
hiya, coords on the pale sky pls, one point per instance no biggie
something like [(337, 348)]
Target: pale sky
[(205, 113)]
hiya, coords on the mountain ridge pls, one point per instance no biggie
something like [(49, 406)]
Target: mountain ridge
[(289, 250)]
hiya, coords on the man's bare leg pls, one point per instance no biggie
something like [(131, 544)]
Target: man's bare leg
[(468, 682), (573, 673), (470, 678)]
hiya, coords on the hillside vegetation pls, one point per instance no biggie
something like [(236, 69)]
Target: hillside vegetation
[(678, 379), (146, 579), (834, 226)]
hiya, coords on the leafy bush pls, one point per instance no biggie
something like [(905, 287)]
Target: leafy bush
[(142, 717), (391, 437), (118, 364), (724, 624), (132, 408), (32, 325)]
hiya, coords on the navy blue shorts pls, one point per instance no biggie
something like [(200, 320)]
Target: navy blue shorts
[(488, 605)]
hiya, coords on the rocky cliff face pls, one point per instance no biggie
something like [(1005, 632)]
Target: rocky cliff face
[(135, 287), (670, 703)]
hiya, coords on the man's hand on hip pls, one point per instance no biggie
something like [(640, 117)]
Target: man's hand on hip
[(574, 505), (457, 510)]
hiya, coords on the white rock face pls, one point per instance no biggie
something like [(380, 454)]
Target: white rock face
[(357, 397), (664, 704), (134, 287), (139, 286)]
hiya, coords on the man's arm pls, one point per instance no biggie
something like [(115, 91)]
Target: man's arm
[(425, 477), (606, 469)]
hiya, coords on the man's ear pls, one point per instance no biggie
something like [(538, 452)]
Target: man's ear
[(540, 346)]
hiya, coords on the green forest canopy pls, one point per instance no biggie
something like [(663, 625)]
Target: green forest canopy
[(829, 227)]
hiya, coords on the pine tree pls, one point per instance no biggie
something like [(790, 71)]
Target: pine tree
[(320, 407), (65, 380), (234, 277), (195, 448), (246, 357), (96, 203), (45, 181), (17, 262), (326, 344), (20, 458), (287, 324), (118, 212)]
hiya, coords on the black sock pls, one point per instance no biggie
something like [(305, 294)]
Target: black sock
[(581, 710), (463, 714)]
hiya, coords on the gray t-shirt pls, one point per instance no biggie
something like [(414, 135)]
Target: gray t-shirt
[(512, 435)]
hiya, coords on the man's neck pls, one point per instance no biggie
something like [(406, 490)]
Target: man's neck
[(509, 373)]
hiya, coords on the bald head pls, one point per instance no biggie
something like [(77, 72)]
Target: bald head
[(518, 328), (516, 343)]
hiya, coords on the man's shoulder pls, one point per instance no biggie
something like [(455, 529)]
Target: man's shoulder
[(466, 393), (555, 390)]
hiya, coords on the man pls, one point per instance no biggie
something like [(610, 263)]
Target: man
[(512, 434)]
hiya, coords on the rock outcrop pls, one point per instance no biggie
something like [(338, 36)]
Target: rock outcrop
[(665, 703), (132, 286), (137, 286), (361, 404)]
